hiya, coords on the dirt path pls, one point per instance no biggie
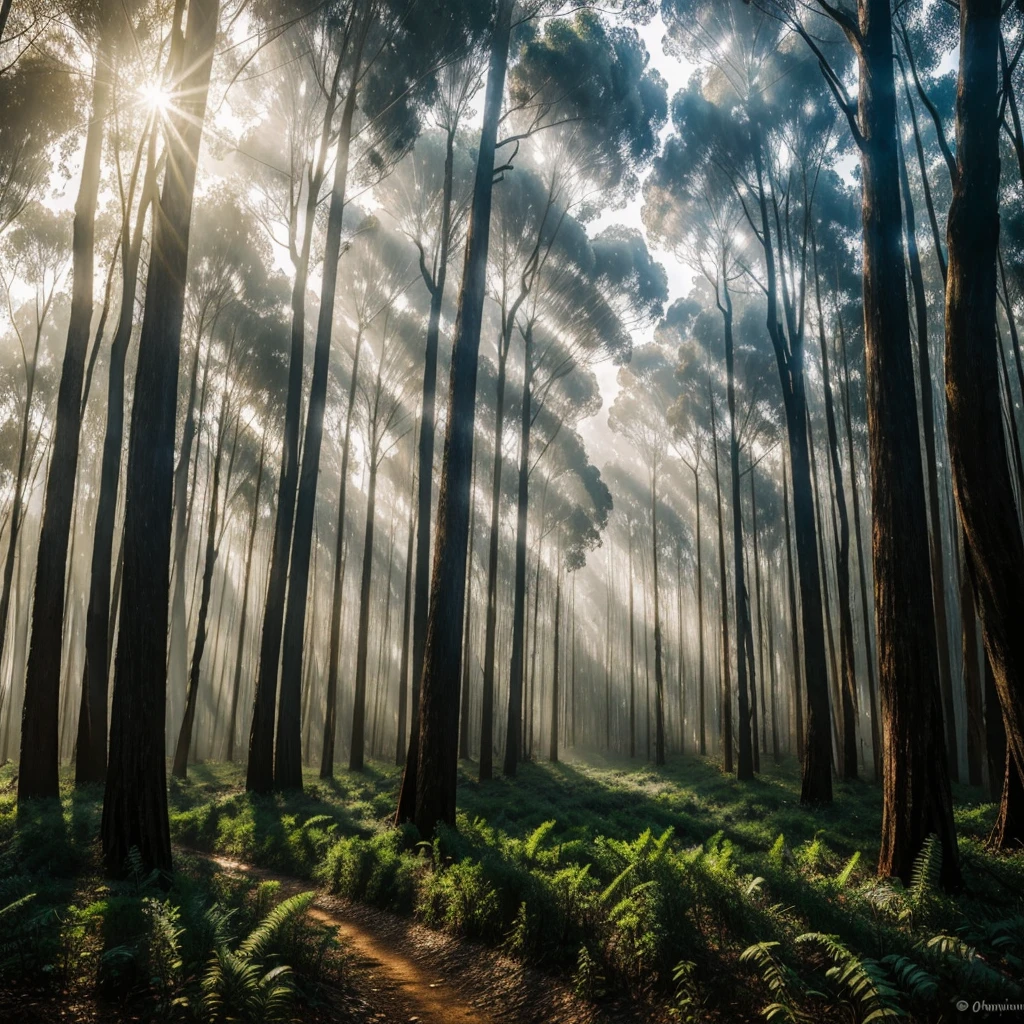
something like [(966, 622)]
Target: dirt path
[(405, 973), (404, 989)]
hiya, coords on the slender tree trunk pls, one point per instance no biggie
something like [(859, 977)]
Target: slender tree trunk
[(745, 765), (798, 697), (632, 654), (90, 751), (816, 785), (760, 619), (491, 619), (421, 593), (971, 670), (679, 646), (916, 792), (40, 726), (659, 681), (924, 372), (236, 686), (181, 751), (260, 769), (726, 717), (876, 745), (701, 686), (338, 578), (403, 668), (515, 679), (437, 749), (288, 750), (848, 669), (135, 799), (553, 744), (467, 631), (981, 478)]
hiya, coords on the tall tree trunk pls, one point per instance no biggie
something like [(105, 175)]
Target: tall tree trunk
[(794, 626), (981, 478), (816, 787), (924, 372), (491, 617), (236, 685), (865, 608), (259, 776), (467, 631), (403, 668), (135, 799), (971, 669), (760, 619), (916, 792), (701, 686), (679, 646), (745, 765), (288, 750), (425, 488), (632, 653), (659, 681), (437, 751), (726, 716), (17, 507), (515, 678), (338, 577), (180, 767), (355, 755), (40, 754), (553, 743), (848, 670)]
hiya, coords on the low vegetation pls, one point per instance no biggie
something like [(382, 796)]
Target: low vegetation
[(704, 898)]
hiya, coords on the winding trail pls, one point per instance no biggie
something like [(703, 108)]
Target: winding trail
[(397, 981), (405, 973)]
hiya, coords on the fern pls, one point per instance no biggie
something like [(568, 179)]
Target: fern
[(238, 986), (537, 836), (782, 982), (911, 977), (687, 1001), (844, 875), (924, 877), (864, 979)]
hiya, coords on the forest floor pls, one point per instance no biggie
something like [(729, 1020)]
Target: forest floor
[(605, 891)]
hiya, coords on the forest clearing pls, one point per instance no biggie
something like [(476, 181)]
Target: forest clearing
[(511, 511)]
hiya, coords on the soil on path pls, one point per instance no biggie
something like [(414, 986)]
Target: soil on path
[(404, 973)]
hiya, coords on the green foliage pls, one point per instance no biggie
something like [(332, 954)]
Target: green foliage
[(245, 984), (862, 980), (654, 882)]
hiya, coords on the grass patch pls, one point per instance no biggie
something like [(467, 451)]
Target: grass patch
[(718, 900)]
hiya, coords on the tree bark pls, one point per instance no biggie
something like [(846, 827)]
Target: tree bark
[(40, 725), (981, 478), (745, 764), (848, 681), (659, 681), (726, 718), (260, 769), (924, 373), (515, 679), (437, 752), (288, 749), (181, 751), (916, 792), (135, 799), (491, 616), (553, 741), (236, 686)]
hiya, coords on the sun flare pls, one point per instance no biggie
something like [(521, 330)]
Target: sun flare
[(155, 96)]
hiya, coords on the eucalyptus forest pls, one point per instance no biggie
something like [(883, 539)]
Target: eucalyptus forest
[(511, 511)]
